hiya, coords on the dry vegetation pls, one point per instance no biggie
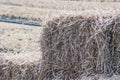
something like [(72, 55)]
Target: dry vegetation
[(84, 45), (18, 39), (39, 9), (60, 58)]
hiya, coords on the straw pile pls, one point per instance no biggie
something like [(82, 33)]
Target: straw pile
[(77, 46), (73, 47), (115, 51), (19, 67)]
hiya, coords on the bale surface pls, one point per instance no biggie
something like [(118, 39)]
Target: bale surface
[(77, 46), (73, 47), (19, 67)]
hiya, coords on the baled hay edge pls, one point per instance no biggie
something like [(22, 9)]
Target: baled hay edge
[(77, 46), (19, 66)]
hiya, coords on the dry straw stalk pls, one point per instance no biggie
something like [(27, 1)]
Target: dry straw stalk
[(73, 47), (19, 67), (77, 46)]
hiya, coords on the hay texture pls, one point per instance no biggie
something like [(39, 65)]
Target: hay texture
[(77, 46), (19, 67)]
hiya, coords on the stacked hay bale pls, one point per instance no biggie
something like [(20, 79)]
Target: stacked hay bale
[(77, 46), (116, 46), (72, 47), (19, 67)]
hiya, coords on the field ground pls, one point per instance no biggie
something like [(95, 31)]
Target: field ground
[(39, 9), (16, 38)]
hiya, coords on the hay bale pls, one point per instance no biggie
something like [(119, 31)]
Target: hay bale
[(115, 51), (19, 67), (75, 46)]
